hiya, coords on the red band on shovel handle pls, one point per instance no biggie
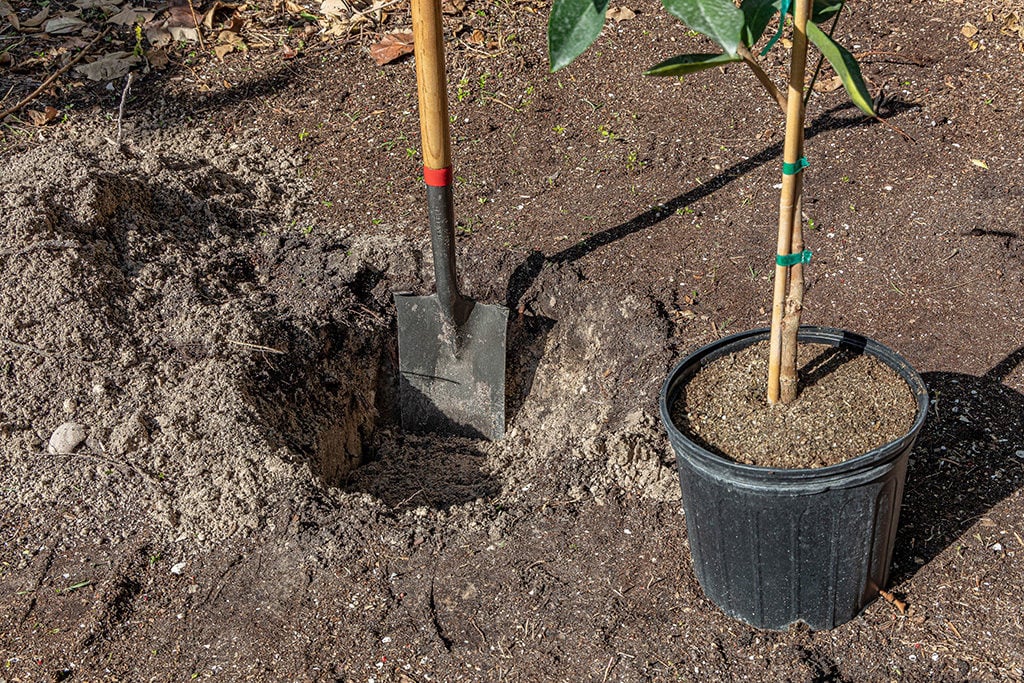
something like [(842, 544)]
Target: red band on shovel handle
[(437, 177)]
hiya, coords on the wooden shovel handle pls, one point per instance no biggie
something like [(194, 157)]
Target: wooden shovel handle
[(431, 84)]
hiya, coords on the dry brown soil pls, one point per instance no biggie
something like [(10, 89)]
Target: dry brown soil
[(849, 403), (211, 302)]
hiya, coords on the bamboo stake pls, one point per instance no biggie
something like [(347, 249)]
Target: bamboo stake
[(789, 198)]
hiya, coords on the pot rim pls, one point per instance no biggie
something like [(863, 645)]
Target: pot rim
[(699, 455)]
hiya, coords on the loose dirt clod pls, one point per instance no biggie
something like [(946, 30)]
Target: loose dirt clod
[(849, 404)]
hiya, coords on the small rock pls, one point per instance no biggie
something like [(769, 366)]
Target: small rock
[(177, 568), (1020, 454), (70, 406), (67, 437), (997, 547)]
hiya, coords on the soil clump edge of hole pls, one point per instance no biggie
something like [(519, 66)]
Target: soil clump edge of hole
[(849, 404)]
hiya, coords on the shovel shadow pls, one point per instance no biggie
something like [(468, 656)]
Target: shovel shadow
[(969, 457)]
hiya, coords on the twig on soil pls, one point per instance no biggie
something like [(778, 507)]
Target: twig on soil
[(199, 29), (55, 75), (256, 347), (477, 627), (409, 498), (360, 15), (894, 601), (608, 669), (124, 100), (952, 628), (108, 461), (45, 244), (504, 104), (897, 129)]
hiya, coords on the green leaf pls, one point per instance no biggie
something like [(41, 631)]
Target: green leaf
[(822, 10), (756, 16), (572, 27), (719, 20), (845, 65), (688, 64)]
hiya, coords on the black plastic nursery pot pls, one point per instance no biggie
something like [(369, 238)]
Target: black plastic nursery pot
[(772, 547)]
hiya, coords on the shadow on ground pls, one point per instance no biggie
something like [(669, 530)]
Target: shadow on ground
[(526, 273), (969, 457)]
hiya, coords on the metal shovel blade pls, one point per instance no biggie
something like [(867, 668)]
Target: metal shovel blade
[(452, 379)]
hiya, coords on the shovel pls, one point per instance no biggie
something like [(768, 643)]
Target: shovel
[(451, 349)]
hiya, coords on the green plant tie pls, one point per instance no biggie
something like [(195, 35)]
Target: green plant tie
[(783, 8), (794, 168), (789, 260)]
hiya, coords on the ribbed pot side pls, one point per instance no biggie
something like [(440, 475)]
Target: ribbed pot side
[(772, 547)]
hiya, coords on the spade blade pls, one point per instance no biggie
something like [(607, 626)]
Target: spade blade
[(452, 379)]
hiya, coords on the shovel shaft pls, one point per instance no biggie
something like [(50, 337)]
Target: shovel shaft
[(428, 45), (437, 159), (454, 307)]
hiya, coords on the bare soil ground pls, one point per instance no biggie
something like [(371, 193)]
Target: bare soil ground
[(211, 302)]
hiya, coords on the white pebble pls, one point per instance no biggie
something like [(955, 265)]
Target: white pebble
[(67, 437), (177, 569)]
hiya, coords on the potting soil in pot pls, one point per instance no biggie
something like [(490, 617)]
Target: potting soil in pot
[(848, 404)]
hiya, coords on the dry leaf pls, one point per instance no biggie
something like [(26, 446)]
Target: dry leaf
[(180, 16), (41, 118), (211, 14), (979, 163), (109, 67), (229, 41), (64, 24), (158, 59), (131, 16), (181, 25), (288, 52), (184, 33), (8, 13), (453, 6), (476, 38), (391, 47), (37, 20), (158, 36), (337, 9), (969, 30), (829, 84), (620, 13), (235, 24)]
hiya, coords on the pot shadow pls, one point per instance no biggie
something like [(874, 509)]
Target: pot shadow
[(968, 458), (527, 272)]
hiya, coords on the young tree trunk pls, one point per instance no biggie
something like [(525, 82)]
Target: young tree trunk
[(788, 384), (785, 307)]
